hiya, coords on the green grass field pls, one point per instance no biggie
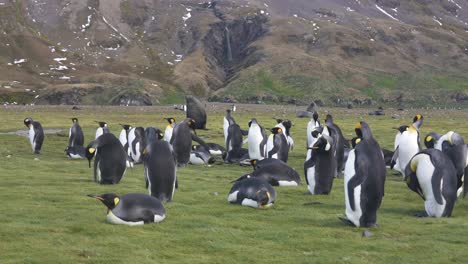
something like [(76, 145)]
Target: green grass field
[(47, 218)]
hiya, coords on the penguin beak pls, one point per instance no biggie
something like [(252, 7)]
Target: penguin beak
[(95, 196), (89, 161)]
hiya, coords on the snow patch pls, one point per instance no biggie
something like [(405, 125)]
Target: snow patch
[(60, 59), (438, 22), (19, 61), (385, 12)]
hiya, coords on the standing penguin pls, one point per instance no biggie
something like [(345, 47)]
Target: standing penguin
[(36, 134), (136, 143), (75, 134), (227, 121), (169, 128), (234, 149), (110, 159), (254, 192), (431, 175), (313, 124), (160, 168), (196, 111), (395, 164), (286, 125), (320, 168), (123, 136), (277, 145), (181, 141), (408, 143), (257, 139), (453, 145), (132, 209), (364, 178), (339, 141), (102, 129)]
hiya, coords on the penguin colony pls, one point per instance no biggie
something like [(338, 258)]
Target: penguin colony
[(436, 173)]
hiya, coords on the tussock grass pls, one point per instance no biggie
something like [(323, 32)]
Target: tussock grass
[(47, 218)]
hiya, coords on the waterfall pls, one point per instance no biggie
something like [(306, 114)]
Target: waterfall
[(228, 44)]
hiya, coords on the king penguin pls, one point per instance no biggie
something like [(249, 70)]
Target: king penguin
[(102, 129), (395, 163), (132, 209), (136, 143), (169, 128), (408, 143), (277, 145), (36, 134), (453, 145), (181, 141), (339, 141), (75, 134), (320, 168), (257, 139), (286, 125), (160, 167), (432, 175), (313, 124), (110, 159), (364, 178), (253, 192)]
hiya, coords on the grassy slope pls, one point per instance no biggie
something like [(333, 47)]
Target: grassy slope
[(46, 217)]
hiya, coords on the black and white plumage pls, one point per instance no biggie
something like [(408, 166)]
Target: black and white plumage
[(200, 156), (75, 135), (136, 143), (364, 178), (181, 141), (340, 142), (75, 152), (313, 124), (408, 144), (132, 209), (286, 125), (169, 128), (102, 129), (431, 174), (277, 145), (275, 172), (160, 167), (320, 165), (257, 139), (109, 159), (123, 138), (36, 134), (253, 192)]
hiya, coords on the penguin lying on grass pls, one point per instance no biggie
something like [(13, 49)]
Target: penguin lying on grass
[(132, 209), (253, 192)]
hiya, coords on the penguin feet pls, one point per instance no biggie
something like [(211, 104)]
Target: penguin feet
[(421, 214), (346, 221)]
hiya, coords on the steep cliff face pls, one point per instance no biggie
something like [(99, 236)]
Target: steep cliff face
[(149, 51)]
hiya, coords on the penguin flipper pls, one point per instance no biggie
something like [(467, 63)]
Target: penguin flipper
[(244, 132), (353, 183), (308, 164), (394, 157), (436, 184)]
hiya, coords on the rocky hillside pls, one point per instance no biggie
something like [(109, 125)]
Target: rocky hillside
[(144, 52)]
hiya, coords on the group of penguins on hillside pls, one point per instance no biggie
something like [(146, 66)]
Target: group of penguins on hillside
[(437, 173)]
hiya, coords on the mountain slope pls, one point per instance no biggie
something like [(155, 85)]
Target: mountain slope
[(151, 51)]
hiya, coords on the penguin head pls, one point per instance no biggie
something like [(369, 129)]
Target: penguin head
[(431, 139), (417, 121), (315, 116), (110, 200), (191, 124), (252, 121), (402, 129), (263, 197), (170, 120), (315, 134), (363, 130), (253, 162), (126, 127), (90, 151), (355, 141), (101, 124), (358, 129), (323, 144), (329, 119), (276, 130), (74, 120), (28, 121)]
